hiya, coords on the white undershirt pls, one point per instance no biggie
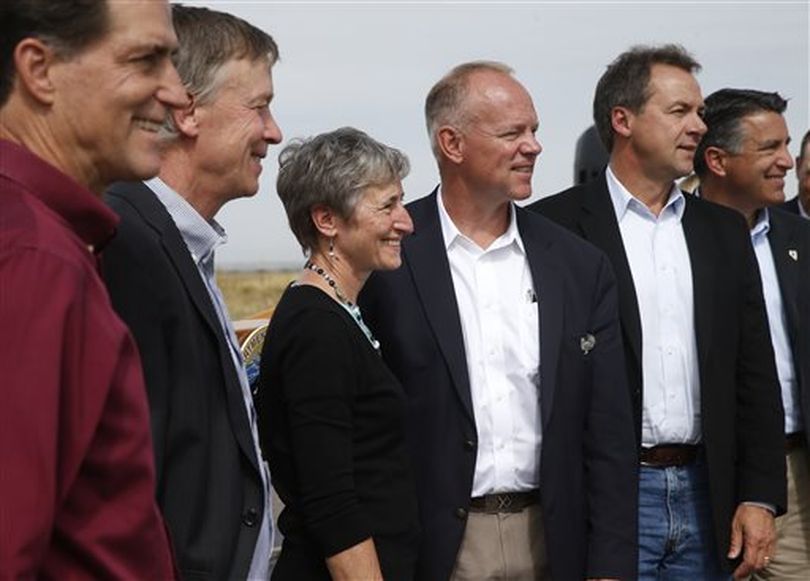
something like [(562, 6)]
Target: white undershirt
[(498, 309), (662, 275)]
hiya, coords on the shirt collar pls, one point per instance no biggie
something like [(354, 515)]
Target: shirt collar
[(623, 200), (202, 237), (762, 225), (81, 209), (452, 235)]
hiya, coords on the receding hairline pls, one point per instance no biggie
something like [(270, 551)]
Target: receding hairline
[(448, 100), (220, 79)]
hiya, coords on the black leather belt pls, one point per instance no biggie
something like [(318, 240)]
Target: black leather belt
[(504, 501), (795, 440), (666, 455)]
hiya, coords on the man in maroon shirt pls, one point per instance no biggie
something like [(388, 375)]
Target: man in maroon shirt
[(84, 87)]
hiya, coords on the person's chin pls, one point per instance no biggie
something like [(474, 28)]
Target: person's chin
[(389, 262), (776, 197), (521, 193), (141, 167), (249, 188)]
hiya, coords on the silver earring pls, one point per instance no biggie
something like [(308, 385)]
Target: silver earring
[(332, 247)]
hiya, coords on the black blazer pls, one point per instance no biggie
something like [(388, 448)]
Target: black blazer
[(741, 408), (208, 481), (789, 236), (588, 468), (791, 206)]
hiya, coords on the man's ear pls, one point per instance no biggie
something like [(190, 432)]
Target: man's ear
[(621, 119), (450, 142), (186, 119), (33, 64), (715, 159), (324, 219)]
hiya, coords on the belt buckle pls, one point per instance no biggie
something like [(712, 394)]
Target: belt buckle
[(504, 502)]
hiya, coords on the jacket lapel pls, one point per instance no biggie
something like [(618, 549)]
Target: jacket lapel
[(159, 218), (599, 226), (427, 261), (782, 241), (698, 233), (551, 298)]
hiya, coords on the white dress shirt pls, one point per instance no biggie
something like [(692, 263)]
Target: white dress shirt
[(777, 323), (662, 275), (202, 238), (498, 309)]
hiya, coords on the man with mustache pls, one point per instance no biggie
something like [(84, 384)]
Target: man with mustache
[(503, 329), (699, 360), (77, 476), (742, 162), (213, 485)]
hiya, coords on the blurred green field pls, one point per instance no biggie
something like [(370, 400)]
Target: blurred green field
[(249, 292)]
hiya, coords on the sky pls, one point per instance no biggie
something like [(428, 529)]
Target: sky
[(371, 64)]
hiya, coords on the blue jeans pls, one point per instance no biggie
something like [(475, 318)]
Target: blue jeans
[(676, 539)]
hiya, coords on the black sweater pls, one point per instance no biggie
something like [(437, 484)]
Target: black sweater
[(332, 417)]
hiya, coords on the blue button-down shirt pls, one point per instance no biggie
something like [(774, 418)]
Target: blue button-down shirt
[(777, 322)]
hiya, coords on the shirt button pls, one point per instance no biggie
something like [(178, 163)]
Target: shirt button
[(461, 513), (469, 445), (250, 517)]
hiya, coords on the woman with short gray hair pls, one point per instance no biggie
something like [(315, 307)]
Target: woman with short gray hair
[(331, 413)]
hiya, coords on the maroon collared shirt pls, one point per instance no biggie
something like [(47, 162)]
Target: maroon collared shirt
[(77, 478)]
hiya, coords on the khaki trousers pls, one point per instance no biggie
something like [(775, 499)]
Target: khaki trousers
[(792, 559), (503, 546)]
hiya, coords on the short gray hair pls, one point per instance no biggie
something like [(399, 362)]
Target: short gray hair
[(208, 39), (333, 169), (445, 101)]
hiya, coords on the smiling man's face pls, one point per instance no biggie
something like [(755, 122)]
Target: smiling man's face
[(110, 98)]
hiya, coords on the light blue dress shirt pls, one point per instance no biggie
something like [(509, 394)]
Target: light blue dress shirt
[(777, 323)]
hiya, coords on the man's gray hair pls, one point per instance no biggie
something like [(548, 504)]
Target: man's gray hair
[(445, 101), (208, 39), (333, 169)]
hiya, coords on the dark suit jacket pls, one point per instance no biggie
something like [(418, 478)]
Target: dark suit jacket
[(209, 484), (741, 410), (791, 206), (790, 235), (588, 465)]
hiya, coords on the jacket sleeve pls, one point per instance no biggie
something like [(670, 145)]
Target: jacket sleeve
[(611, 456), (137, 297)]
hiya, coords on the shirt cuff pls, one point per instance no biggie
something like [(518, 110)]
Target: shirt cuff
[(767, 506)]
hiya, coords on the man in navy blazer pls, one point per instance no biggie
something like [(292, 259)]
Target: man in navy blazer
[(708, 417), (801, 203), (503, 329), (742, 162), (212, 485)]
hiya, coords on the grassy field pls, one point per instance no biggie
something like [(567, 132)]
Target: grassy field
[(249, 292)]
